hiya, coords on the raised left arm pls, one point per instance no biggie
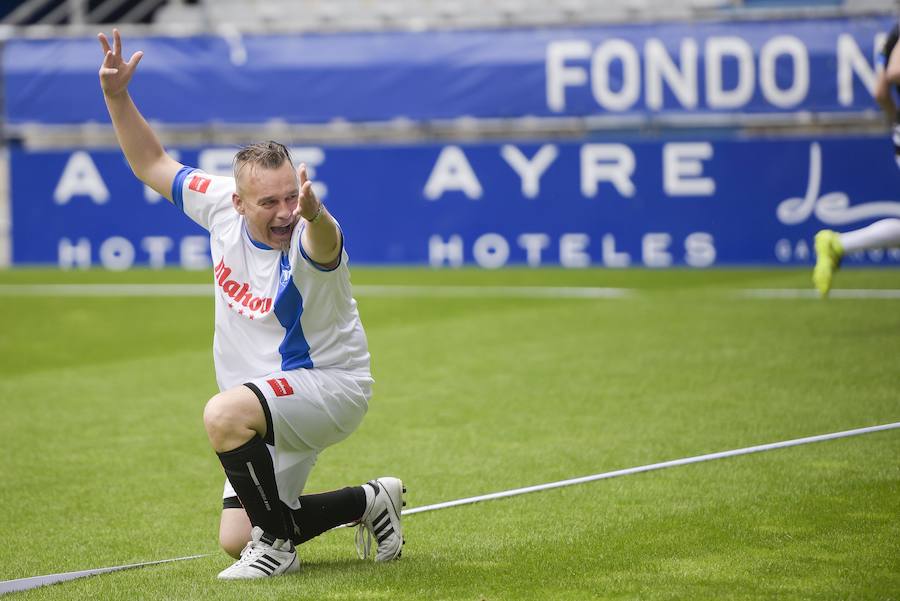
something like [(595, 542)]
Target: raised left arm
[(321, 238)]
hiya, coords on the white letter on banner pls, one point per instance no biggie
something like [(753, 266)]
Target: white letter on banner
[(157, 247), (116, 253), (768, 76), (572, 251), (700, 250), (682, 167), (659, 66), (655, 250), (313, 156), (716, 49), (559, 76), (605, 54), (612, 257), (491, 251), (851, 61), (80, 177), (607, 162), (194, 252), (530, 172), (450, 251), (533, 245), (74, 255), (452, 171)]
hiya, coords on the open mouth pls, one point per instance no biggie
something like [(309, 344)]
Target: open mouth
[(281, 231)]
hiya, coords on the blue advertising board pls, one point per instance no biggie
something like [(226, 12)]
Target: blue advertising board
[(609, 203), (639, 70)]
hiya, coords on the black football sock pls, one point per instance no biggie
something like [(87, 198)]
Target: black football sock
[(321, 512), (249, 469)]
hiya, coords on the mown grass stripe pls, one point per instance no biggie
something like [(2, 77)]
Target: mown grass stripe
[(23, 584)]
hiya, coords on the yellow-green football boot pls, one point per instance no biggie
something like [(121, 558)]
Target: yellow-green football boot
[(829, 253)]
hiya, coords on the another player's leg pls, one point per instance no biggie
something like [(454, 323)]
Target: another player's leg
[(831, 248), (236, 424), (829, 253), (884, 233)]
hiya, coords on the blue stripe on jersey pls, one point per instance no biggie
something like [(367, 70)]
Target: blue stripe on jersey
[(178, 184), (294, 348)]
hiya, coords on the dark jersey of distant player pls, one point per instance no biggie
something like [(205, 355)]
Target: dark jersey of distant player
[(888, 47)]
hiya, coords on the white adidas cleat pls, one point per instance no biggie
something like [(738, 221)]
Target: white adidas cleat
[(262, 557), (381, 520)]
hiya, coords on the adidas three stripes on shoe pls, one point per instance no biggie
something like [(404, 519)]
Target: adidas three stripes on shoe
[(381, 520)]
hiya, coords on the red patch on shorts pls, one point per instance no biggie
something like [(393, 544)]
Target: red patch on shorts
[(280, 386), (199, 184)]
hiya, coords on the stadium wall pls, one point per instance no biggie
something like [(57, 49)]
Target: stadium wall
[(615, 203), (692, 194)]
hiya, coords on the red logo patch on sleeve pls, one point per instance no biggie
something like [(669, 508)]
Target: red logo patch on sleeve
[(280, 386), (199, 184)]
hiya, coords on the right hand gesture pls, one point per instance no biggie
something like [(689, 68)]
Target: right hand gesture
[(114, 72)]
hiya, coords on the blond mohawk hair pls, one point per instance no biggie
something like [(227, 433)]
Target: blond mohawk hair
[(268, 155)]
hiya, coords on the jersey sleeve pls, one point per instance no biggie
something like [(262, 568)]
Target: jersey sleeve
[(205, 198), (306, 262)]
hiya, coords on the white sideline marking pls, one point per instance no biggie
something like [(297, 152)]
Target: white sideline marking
[(791, 293), (392, 291), (22, 584), (653, 466), (436, 291), (496, 291), (106, 289)]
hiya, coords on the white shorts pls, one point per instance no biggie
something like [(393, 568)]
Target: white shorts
[(308, 410)]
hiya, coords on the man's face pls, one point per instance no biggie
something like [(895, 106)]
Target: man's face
[(267, 198)]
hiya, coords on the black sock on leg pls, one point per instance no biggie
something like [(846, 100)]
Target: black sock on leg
[(321, 512), (249, 469)]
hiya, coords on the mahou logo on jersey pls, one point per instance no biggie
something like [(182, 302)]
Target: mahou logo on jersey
[(240, 291)]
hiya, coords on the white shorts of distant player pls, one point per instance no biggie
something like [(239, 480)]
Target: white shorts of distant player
[(308, 410)]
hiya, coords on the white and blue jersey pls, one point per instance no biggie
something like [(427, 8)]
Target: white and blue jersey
[(275, 311)]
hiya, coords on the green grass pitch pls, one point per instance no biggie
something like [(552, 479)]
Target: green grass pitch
[(105, 461)]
